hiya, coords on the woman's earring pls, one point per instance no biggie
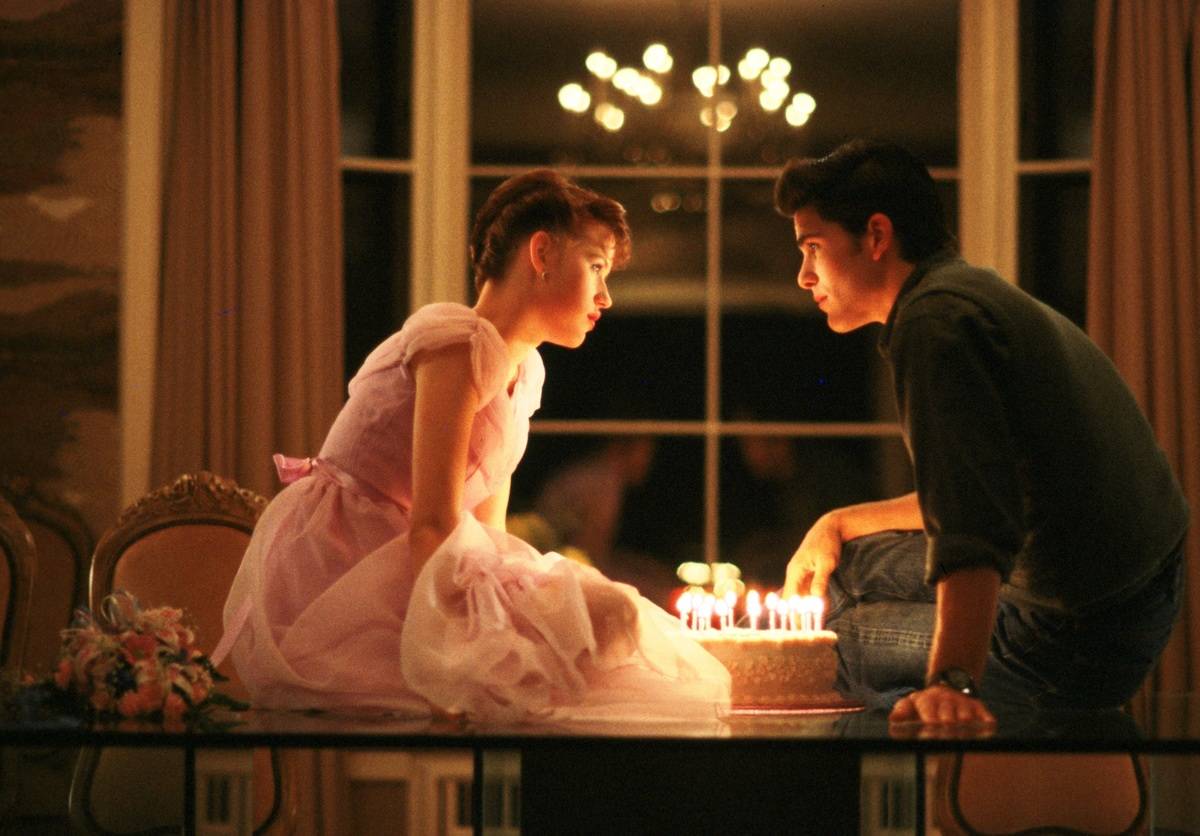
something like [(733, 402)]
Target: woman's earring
[(545, 275)]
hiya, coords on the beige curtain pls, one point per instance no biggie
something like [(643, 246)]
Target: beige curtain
[(250, 330), (1144, 261), (250, 341)]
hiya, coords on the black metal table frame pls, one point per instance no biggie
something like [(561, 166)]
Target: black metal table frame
[(914, 741)]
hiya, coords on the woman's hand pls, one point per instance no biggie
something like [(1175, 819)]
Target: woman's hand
[(810, 567)]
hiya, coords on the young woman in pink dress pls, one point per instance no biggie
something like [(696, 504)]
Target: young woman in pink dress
[(381, 575)]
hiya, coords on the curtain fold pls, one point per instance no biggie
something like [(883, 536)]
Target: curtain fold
[(1143, 304), (251, 323)]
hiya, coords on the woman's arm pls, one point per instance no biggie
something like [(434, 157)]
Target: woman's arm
[(444, 408), (810, 567), (493, 511)]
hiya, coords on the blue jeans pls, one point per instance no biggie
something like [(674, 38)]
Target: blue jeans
[(883, 612)]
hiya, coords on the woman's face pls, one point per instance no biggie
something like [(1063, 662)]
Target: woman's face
[(575, 290)]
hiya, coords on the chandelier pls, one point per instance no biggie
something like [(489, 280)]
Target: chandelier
[(611, 89)]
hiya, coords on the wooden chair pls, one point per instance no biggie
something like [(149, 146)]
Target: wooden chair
[(1021, 793), (180, 546), (63, 543), (17, 569), (64, 546)]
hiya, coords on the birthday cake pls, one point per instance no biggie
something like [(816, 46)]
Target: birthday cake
[(777, 669)]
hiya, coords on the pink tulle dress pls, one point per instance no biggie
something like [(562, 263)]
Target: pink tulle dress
[(326, 611)]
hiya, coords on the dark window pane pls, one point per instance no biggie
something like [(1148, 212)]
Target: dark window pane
[(376, 56), (781, 366), (634, 367), (1056, 78), (773, 488), (872, 68), (758, 248), (377, 211), (1054, 241), (948, 191), (639, 497), (522, 60)]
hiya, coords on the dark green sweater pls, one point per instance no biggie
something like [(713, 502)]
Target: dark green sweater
[(1029, 452)]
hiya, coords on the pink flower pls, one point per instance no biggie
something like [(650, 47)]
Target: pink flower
[(140, 646), (130, 705), (63, 673), (174, 707)]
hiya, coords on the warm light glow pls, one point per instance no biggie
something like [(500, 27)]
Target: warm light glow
[(648, 91), (600, 65), (574, 98), (779, 67), (694, 573), (664, 202), (796, 614), (626, 80), (761, 74), (610, 116), (800, 109), (752, 63), (796, 118), (769, 101), (657, 58)]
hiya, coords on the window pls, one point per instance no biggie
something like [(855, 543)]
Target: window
[(713, 397), (1056, 73)]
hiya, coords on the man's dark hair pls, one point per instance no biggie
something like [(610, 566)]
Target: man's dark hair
[(863, 177)]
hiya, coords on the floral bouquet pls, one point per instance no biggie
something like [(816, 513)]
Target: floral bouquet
[(130, 662)]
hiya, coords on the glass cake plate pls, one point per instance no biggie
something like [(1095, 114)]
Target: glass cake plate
[(839, 706)]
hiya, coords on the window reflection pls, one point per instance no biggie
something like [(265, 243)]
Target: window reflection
[(876, 71), (1054, 241), (1056, 79), (377, 212), (631, 505), (773, 488), (376, 77), (521, 62)]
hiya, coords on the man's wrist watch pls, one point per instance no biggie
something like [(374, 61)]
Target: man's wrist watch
[(955, 678)]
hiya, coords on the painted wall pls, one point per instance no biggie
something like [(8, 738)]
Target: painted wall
[(60, 222)]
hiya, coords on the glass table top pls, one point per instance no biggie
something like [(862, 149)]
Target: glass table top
[(1173, 726)]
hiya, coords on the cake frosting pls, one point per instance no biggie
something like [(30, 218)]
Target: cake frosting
[(777, 669)]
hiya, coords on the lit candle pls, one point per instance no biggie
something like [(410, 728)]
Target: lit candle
[(772, 609), (707, 612), (722, 610), (684, 605), (730, 606), (818, 612), (794, 606), (753, 608)]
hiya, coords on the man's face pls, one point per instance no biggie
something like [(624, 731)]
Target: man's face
[(838, 270)]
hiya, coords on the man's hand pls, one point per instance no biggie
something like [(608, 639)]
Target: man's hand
[(941, 704), (810, 567)]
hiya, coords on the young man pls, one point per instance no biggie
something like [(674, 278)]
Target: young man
[(1038, 564)]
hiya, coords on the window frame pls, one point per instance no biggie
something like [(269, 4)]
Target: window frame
[(987, 175)]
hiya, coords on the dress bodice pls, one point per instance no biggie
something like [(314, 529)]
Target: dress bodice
[(372, 436)]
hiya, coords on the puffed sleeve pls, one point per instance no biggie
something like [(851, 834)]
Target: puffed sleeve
[(437, 326)]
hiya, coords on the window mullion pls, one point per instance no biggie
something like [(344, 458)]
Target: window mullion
[(987, 129), (441, 150)]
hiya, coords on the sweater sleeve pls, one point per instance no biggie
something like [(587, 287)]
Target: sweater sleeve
[(949, 362)]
